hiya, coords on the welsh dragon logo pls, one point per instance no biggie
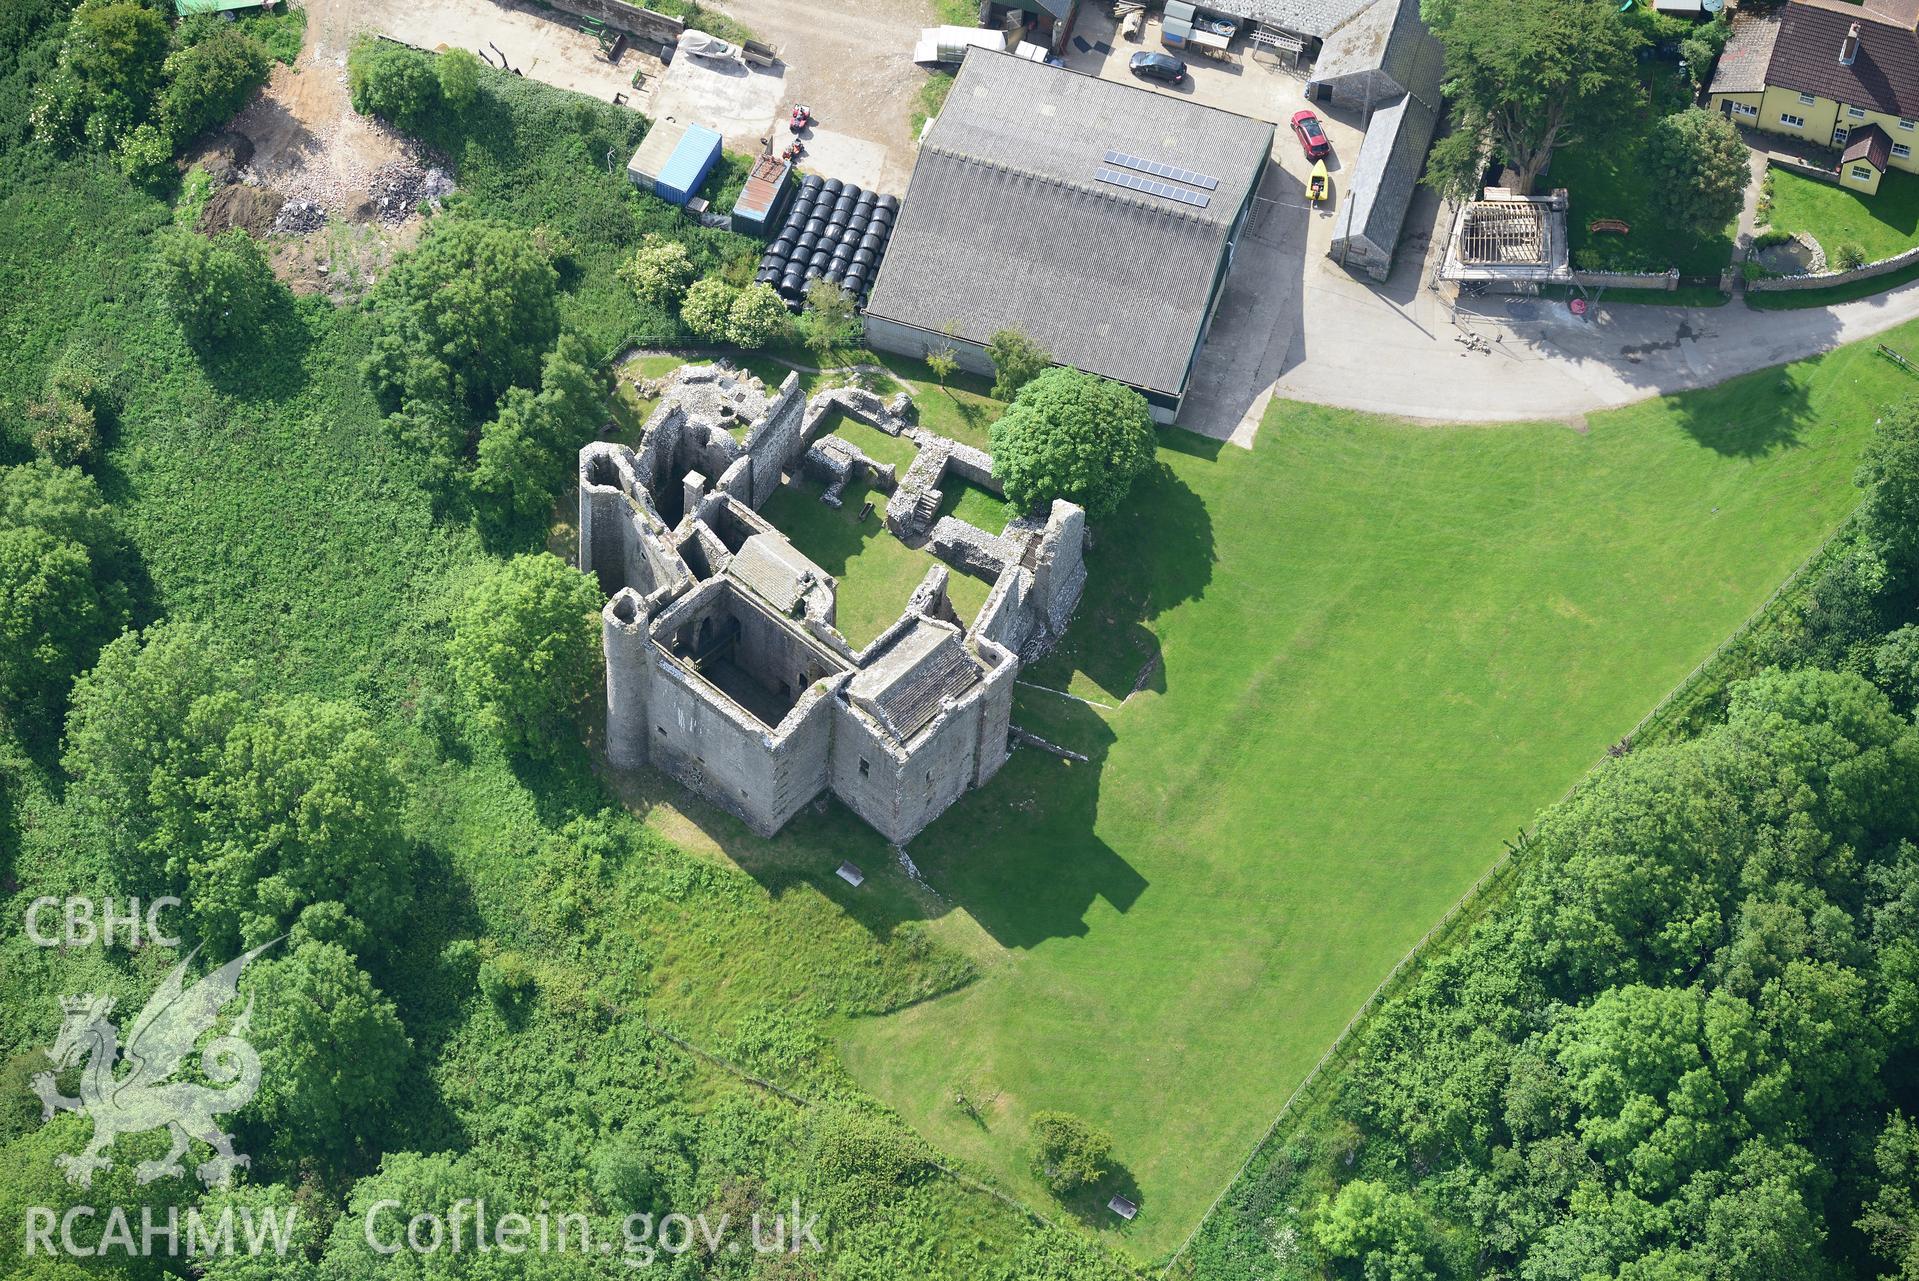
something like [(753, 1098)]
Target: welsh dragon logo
[(127, 1090)]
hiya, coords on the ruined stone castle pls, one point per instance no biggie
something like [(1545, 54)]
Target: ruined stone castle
[(724, 668)]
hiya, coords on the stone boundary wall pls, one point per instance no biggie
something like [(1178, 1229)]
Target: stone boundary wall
[(1667, 280), (658, 28), (1792, 164), (1826, 279)]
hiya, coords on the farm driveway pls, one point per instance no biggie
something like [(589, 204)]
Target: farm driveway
[(852, 63)]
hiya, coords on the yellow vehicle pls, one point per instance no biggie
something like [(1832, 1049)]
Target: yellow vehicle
[(1318, 183)]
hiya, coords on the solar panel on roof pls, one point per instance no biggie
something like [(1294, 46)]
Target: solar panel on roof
[(1205, 182), (1152, 187)]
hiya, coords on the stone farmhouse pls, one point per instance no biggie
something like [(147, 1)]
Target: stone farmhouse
[(724, 668), (1830, 73)]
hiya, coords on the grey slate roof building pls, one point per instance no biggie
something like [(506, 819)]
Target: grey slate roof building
[(1034, 206), (1381, 186), (1380, 52)]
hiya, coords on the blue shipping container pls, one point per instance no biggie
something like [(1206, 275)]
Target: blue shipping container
[(692, 159)]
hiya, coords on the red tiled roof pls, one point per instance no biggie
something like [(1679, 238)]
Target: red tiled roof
[(1883, 77)]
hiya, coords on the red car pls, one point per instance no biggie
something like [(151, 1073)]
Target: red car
[(1311, 137)]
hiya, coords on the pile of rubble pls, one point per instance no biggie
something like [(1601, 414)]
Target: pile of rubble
[(299, 217), (398, 189)]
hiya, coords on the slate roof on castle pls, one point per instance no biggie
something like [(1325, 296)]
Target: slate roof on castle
[(1005, 225)]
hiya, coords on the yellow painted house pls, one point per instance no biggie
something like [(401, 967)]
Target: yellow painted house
[(1833, 74)]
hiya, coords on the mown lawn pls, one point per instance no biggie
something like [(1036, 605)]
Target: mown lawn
[(1881, 225), (876, 571), (1605, 176), (1369, 653), (874, 443), (973, 505)]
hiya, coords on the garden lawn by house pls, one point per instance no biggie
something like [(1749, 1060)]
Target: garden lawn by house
[(876, 571), (1881, 225), (1605, 176), (1369, 652)]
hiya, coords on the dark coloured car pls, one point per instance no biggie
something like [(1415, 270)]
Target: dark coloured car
[(1312, 138), (1158, 66)]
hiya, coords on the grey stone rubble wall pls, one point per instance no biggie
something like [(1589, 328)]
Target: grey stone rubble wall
[(908, 511), (1827, 279), (775, 441), (970, 548), (621, 537), (830, 461), (1059, 568)]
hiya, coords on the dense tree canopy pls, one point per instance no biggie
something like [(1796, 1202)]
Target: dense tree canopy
[(249, 811), (531, 447), (1701, 168), (1017, 360), (61, 587), (1075, 436), (1530, 75), (332, 1052), (211, 79), (525, 649), (393, 82), (1070, 1154), (462, 318), (220, 290)]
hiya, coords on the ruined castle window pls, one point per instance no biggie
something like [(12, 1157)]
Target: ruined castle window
[(865, 769)]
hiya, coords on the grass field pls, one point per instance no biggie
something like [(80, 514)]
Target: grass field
[(1380, 650), (1881, 225), (876, 571)]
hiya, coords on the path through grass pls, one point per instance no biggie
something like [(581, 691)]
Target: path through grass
[(1369, 653)]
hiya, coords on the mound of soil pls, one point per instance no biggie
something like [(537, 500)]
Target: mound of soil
[(253, 208), (225, 155)]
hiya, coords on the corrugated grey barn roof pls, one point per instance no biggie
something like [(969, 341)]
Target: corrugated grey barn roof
[(1382, 181), (1005, 225)]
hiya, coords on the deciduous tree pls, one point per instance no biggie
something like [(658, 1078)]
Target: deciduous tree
[(1701, 169), (1075, 436), (462, 318), (659, 270), (1017, 360), (1070, 1154), (220, 290), (707, 307), (525, 649), (332, 1053)]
